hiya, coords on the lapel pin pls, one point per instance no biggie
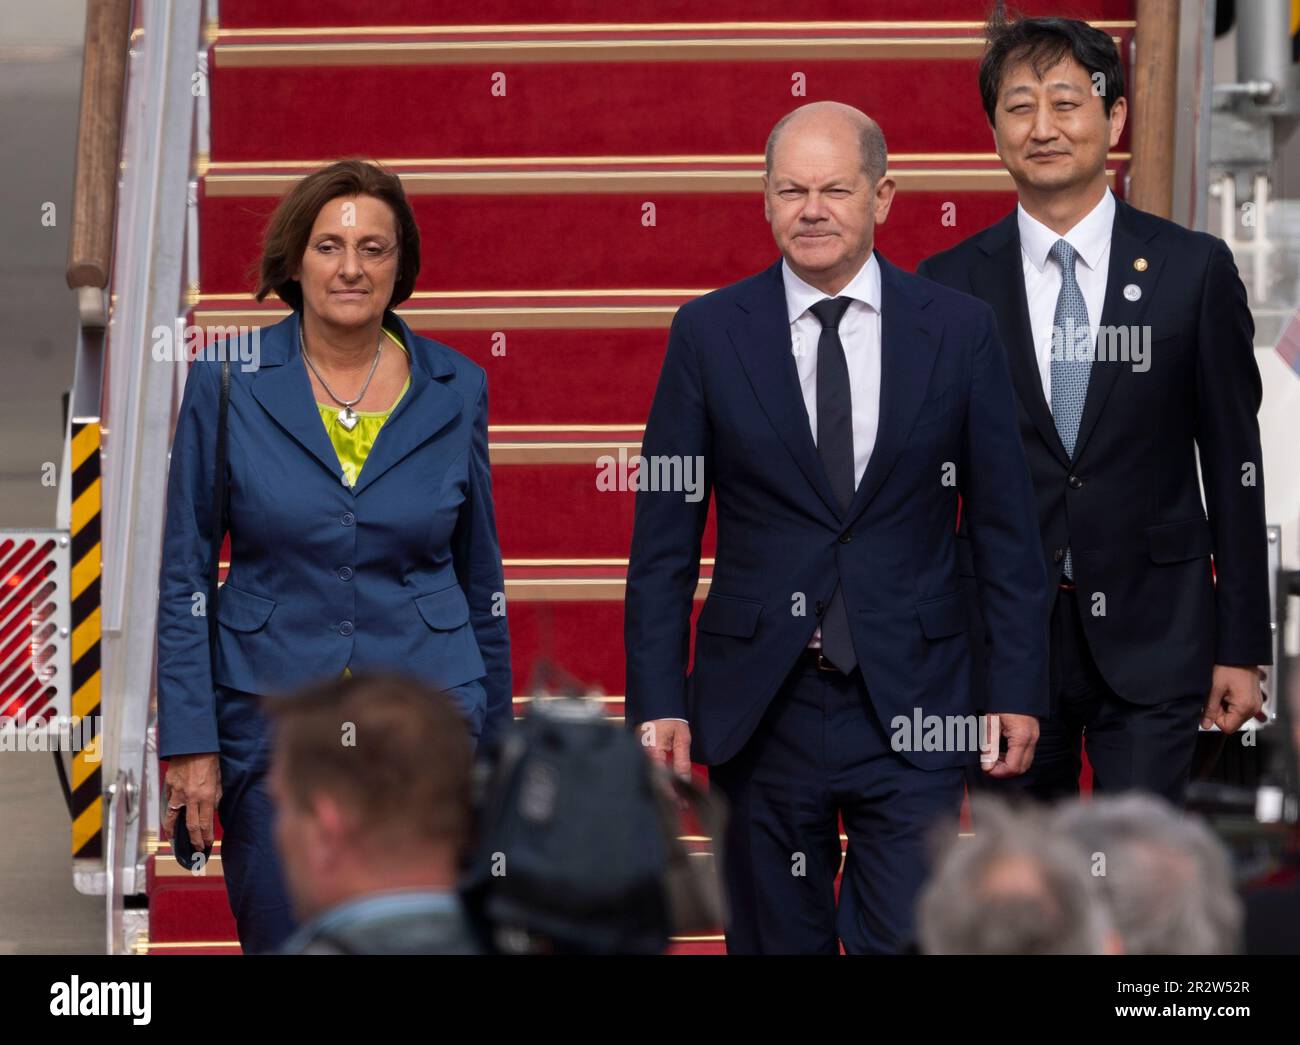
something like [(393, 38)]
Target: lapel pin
[(1132, 292), (1140, 264)]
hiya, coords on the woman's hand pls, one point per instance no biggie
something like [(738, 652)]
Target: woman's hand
[(193, 781)]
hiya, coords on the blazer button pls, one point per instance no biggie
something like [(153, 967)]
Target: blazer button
[(345, 573), (1075, 482), (846, 537), (1058, 555), (347, 519), (821, 607), (345, 628)]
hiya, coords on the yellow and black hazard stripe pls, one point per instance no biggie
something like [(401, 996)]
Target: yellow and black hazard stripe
[(87, 783)]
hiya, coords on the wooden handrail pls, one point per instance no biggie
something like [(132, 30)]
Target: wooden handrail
[(99, 139), (1152, 111)]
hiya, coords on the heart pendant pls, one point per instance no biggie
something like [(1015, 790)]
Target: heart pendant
[(347, 418)]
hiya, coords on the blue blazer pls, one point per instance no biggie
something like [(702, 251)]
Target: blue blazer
[(729, 394), (401, 572)]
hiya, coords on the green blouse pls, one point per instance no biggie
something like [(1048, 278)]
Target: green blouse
[(354, 446)]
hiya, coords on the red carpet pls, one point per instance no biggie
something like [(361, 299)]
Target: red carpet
[(259, 14), (572, 242)]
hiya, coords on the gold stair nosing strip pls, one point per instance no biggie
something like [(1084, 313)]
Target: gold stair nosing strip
[(540, 51), (548, 562), (566, 428), (577, 589), (581, 589), (747, 159), (437, 295), (558, 183), (646, 317), (529, 698), (169, 868), (155, 845), (629, 27), (145, 945), (558, 453)]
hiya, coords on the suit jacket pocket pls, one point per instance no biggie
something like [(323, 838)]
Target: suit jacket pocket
[(726, 615), (444, 610), (241, 610), (1180, 541), (448, 654), (943, 616)]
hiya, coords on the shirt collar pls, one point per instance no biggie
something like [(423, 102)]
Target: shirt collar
[(404, 902), (1089, 237), (801, 296)]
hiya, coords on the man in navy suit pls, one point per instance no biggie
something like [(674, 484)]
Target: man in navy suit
[(838, 407), (1131, 346)]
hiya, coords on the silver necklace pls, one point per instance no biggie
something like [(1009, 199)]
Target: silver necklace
[(347, 416)]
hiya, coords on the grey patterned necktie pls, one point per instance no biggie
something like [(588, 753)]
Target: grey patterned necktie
[(1070, 372)]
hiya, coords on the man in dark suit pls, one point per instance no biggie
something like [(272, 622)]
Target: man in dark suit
[(1148, 638), (837, 407)]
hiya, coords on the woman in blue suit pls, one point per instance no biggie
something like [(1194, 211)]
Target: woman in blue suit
[(360, 518)]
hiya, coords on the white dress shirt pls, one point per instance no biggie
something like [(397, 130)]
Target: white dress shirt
[(1091, 239), (860, 335)]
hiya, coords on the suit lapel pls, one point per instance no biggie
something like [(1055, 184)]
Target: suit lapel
[(1129, 241), (761, 338), (908, 349), (284, 390), (427, 407), (1001, 283)]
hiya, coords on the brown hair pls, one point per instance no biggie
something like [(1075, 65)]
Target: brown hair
[(392, 750), (290, 226)]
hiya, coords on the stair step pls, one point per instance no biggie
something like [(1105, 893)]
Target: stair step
[(378, 14), (700, 96), (604, 241), (555, 511), (576, 407), (190, 911), (584, 637)]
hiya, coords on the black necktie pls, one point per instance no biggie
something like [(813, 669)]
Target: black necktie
[(835, 448)]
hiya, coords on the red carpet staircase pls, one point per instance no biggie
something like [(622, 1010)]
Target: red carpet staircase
[(575, 180)]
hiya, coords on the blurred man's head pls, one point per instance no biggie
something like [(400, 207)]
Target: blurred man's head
[(1014, 888), (1165, 877), (371, 781), (825, 190), (1053, 91)]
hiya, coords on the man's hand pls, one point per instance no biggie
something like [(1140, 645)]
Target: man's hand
[(1021, 732), (193, 781), (1234, 697), (668, 740)]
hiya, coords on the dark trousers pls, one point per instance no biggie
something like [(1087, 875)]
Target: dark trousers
[(820, 753), (254, 880), (1145, 747)]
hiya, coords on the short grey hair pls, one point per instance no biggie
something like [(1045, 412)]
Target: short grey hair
[(1167, 881), (960, 912), (871, 141)]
